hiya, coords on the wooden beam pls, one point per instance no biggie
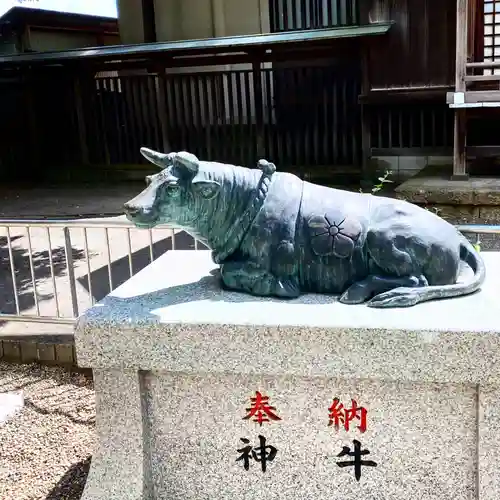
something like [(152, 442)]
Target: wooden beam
[(475, 96), (409, 94), (483, 151), (475, 105), (459, 145), (461, 45), (471, 151), (483, 64), (78, 29), (482, 78), (426, 151), (212, 60)]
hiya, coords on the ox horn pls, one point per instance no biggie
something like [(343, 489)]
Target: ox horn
[(162, 160), (188, 160)]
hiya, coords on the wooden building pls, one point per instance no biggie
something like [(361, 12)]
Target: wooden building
[(334, 85), (23, 29), (475, 98)]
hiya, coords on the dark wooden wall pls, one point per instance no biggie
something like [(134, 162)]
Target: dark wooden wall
[(310, 115), (305, 113), (419, 50), (301, 115)]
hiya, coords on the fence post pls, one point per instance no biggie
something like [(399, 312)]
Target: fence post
[(71, 271)]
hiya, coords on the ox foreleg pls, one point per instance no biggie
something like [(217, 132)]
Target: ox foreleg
[(249, 277)]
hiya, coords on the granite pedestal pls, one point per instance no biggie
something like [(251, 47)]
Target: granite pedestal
[(176, 362)]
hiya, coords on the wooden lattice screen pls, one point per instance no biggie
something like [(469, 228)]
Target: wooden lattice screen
[(287, 15), (491, 33)]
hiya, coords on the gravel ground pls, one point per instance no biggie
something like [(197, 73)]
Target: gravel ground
[(45, 450)]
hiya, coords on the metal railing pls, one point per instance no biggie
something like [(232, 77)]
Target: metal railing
[(61, 274), (58, 266), (478, 229)]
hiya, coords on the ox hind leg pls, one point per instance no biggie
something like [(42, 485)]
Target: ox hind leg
[(399, 265), (375, 284)]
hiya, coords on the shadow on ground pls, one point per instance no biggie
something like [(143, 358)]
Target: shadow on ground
[(120, 268), (71, 485), (58, 385), (24, 277)]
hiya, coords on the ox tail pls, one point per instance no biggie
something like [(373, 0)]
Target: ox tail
[(470, 256)]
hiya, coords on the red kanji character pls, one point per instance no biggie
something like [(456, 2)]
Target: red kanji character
[(352, 413), (336, 413), (339, 414), (260, 408)]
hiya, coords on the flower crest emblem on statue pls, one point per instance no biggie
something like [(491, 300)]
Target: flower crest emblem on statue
[(333, 237)]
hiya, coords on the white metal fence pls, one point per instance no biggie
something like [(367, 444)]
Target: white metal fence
[(51, 271)]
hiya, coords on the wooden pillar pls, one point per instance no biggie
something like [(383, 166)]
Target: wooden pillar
[(365, 116), (365, 49), (264, 16), (218, 18), (459, 146), (162, 103), (460, 126), (33, 150), (80, 118), (258, 100), (26, 39), (148, 21)]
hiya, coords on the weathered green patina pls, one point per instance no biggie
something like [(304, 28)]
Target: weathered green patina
[(276, 235)]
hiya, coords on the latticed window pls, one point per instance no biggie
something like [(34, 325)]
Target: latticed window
[(491, 33), (289, 15)]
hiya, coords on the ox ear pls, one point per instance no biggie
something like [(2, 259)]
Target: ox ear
[(189, 161), (206, 188), (161, 160)]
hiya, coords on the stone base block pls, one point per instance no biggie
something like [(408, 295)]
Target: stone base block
[(205, 394)]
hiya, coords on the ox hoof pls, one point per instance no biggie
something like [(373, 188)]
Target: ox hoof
[(399, 297), (356, 294), (288, 289)]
